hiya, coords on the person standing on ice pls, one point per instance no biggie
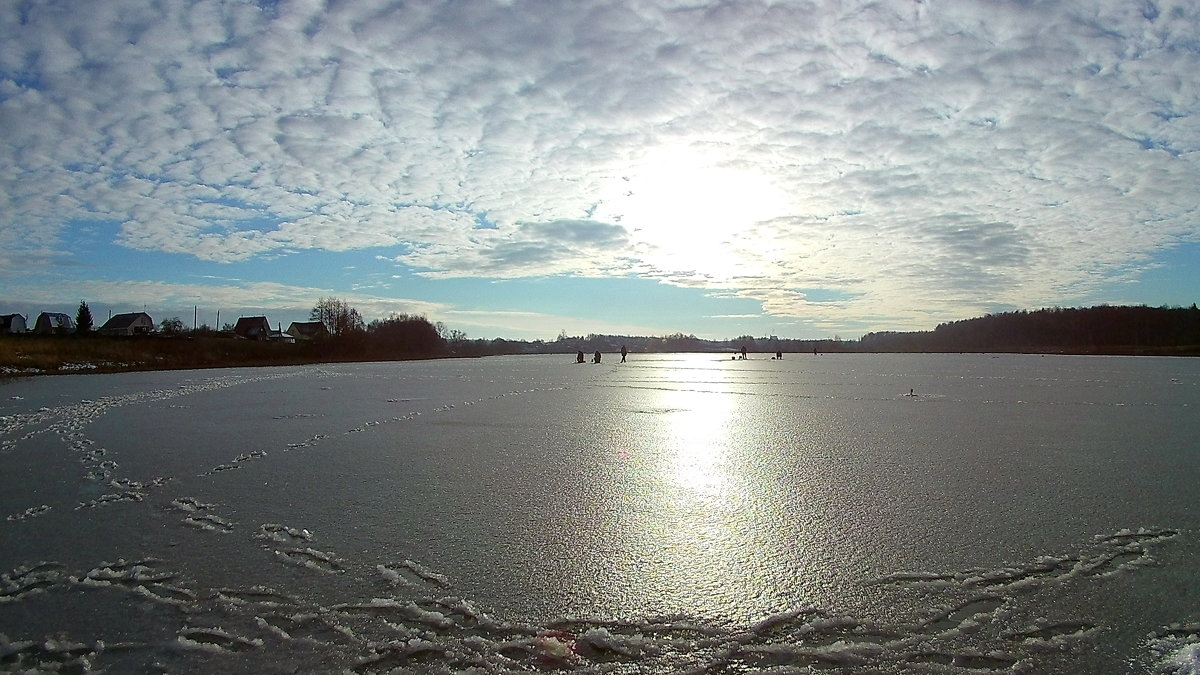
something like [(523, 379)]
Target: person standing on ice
[(624, 351)]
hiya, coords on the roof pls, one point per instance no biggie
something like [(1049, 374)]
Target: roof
[(252, 322), (124, 320), (58, 319), (307, 328), (252, 325)]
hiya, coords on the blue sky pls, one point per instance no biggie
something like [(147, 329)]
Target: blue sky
[(519, 168)]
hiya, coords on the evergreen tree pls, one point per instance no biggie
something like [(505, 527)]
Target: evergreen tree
[(83, 319)]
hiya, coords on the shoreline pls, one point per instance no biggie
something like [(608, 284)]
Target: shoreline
[(30, 356)]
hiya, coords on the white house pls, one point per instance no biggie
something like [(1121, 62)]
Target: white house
[(307, 331), (12, 323), (131, 323)]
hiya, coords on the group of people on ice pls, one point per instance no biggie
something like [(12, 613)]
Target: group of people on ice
[(596, 356)]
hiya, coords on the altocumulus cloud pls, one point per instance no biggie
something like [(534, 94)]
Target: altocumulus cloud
[(915, 157)]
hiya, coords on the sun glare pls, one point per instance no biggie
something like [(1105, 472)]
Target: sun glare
[(699, 433), (690, 212)]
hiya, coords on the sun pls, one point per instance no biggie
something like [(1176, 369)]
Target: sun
[(689, 211)]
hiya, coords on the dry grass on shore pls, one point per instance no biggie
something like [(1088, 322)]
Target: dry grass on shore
[(36, 355)]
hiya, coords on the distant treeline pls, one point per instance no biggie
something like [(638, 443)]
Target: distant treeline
[(1094, 330), (609, 344), (642, 345)]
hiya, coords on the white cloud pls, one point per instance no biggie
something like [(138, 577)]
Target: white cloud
[(922, 158)]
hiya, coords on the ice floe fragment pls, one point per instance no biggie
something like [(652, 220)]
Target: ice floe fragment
[(25, 580), (208, 522), (311, 558), (216, 640), (283, 533), (31, 512)]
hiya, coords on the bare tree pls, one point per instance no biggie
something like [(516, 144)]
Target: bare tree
[(449, 334), (339, 317), (172, 326)]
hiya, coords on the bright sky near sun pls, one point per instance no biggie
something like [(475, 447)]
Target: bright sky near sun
[(518, 168)]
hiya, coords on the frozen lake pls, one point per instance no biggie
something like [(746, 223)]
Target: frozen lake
[(676, 513)]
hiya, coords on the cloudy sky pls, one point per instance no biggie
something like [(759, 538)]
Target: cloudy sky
[(518, 168)]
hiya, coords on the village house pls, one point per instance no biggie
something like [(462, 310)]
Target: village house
[(252, 328), (281, 336), (307, 331), (12, 323), (130, 323), (54, 323)]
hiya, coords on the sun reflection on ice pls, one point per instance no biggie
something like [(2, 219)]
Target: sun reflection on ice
[(691, 547), (698, 433), (714, 517)]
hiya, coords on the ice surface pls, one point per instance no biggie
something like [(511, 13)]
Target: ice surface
[(670, 514)]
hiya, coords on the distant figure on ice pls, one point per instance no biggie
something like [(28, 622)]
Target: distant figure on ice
[(779, 354), (624, 352), (579, 357), (596, 358), (743, 351)]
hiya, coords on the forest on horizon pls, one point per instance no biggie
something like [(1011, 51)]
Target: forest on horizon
[(1102, 329), (1113, 330)]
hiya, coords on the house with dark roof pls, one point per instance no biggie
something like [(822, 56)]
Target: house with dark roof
[(12, 323), (131, 323), (307, 331), (55, 323), (252, 328)]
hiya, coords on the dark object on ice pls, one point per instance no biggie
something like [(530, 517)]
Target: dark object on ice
[(624, 351), (579, 357), (596, 358)]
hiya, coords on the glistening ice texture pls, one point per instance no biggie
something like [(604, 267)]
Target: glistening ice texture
[(676, 513)]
